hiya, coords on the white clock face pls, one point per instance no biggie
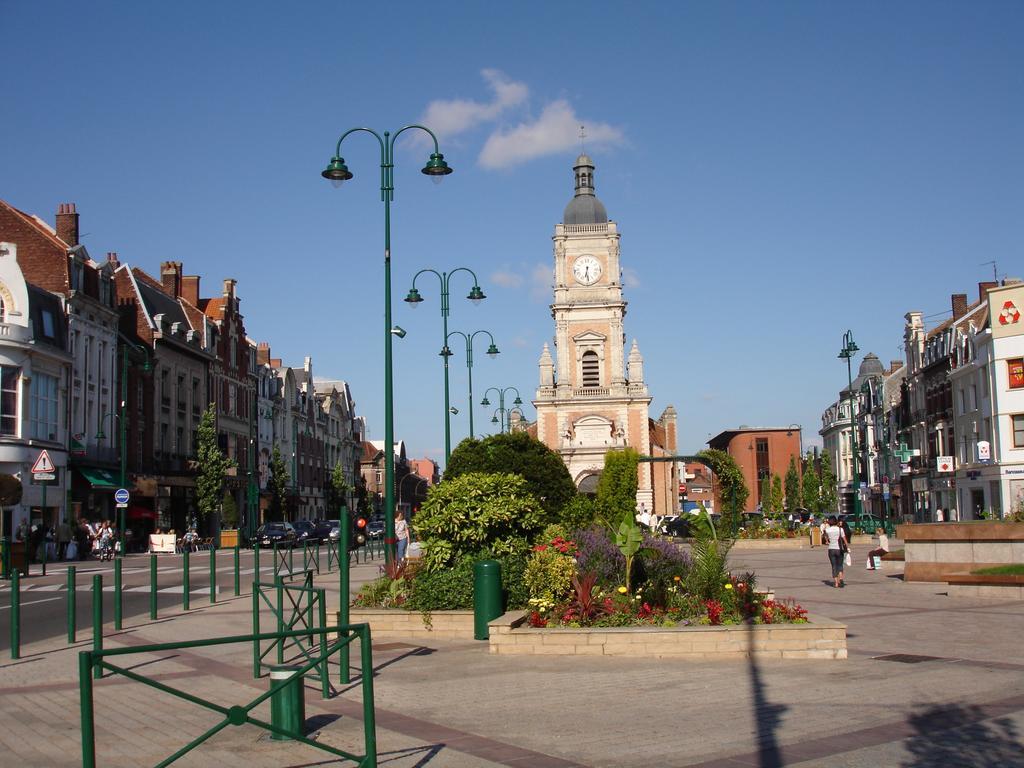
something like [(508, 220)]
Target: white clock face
[(586, 270)]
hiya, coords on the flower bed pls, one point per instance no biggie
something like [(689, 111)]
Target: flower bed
[(820, 638)]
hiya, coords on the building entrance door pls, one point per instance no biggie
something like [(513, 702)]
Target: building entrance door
[(977, 502)]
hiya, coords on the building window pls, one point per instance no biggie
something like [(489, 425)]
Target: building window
[(9, 375), (232, 400), (1018, 430), (1015, 372), (43, 407), (591, 370)]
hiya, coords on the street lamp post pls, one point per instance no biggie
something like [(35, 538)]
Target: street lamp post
[(492, 352), (501, 403), (337, 173), (846, 353), (413, 299)]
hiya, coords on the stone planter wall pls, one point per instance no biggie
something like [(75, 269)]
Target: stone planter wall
[(934, 551), (821, 639), (801, 542), (391, 623)]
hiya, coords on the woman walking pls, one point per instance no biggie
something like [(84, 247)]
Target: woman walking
[(402, 535), (835, 538)]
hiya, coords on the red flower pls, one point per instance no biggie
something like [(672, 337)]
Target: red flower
[(540, 548)]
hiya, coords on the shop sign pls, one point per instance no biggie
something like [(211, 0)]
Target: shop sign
[(984, 450), (1015, 372)]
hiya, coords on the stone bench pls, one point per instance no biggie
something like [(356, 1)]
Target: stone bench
[(1000, 586)]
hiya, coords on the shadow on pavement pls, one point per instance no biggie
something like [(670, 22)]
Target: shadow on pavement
[(767, 716), (959, 735)]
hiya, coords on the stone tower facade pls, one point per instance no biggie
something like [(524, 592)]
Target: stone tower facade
[(592, 396)]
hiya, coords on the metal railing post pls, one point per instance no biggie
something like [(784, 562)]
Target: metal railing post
[(255, 630), (325, 682), (97, 619), (291, 559), (72, 607), (152, 587), (369, 723), (213, 574), (305, 554), (185, 585), (238, 586), (86, 709), (117, 593), (279, 586), (255, 562), (15, 614), (344, 593)]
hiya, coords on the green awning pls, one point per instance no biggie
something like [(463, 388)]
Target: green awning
[(100, 478)]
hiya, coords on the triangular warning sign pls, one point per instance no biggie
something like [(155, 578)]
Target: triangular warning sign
[(43, 464)]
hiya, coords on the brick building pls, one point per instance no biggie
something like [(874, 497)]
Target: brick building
[(759, 452)]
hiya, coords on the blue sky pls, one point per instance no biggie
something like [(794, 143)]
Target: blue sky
[(780, 172)]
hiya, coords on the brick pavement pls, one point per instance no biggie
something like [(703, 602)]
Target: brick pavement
[(453, 704)]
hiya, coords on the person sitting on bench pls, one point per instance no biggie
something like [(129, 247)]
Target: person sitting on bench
[(883, 548)]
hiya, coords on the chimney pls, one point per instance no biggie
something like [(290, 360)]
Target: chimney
[(170, 277), (894, 365), (959, 301), (67, 223), (263, 353), (984, 287), (112, 259), (190, 289), (229, 288)]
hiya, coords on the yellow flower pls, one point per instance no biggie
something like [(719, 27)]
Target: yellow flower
[(728, 586), (622, 590), (677, 578)]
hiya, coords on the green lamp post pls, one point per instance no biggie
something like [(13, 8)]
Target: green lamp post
[(846, 353), (413, 299), (492, 352), (501, 409), (337, 173)]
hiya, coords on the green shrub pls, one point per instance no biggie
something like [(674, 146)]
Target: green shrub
[(450, 589), (552, 531), (549, 575), (474, 512), (579, 512)]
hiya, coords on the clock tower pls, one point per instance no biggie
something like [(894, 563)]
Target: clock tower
[(592, 395)]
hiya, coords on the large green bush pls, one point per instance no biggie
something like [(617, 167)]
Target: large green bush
[(616, 488), (579, 512), (519, 454), (474, 512)]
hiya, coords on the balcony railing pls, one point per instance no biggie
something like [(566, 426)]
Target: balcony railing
[(590, 391)]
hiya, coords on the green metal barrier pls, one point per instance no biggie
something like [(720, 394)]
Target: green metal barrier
[(238, 589), (333, 554), (152, 587), (117, 593), (303, 601), (72, 606), (281, 555), (213, 575), (92, 663), (311, 555), (186, 581), (15, 615), (97, 618)]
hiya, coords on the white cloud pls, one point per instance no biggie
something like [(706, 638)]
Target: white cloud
[(630, 278), (506, 278), (542, 278), (521, 342), (451, 117), (556, 130)]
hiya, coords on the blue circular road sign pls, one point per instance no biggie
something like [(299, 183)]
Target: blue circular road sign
[(121, 496)]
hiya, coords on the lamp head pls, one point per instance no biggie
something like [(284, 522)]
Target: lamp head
[(436, 168), (336, 171), (493, 351), (476, 295), (100, 435), (517, 401), (494, 419), (413, 299), (445, 351), (485, 401), (398, 331)]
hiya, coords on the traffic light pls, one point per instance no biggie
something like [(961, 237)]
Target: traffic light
[(358, 537)]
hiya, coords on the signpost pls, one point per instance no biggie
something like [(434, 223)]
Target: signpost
[(43, 472)]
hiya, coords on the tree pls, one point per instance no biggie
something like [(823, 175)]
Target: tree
[(277, 484), (477, 511), (336, 491), (766, 496), (616, 488), (792, 485), (517, 453), (229, 511), (213, 466), (733, 488), (811, 487), (777, 497), (579, 512), (829, 485)]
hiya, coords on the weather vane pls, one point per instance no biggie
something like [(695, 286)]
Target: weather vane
[(583, 136)]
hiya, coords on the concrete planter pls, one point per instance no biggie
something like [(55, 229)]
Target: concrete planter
[(391, 623), (801, 542), (935, 551), (821, 638)]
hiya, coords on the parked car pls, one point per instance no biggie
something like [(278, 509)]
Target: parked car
[(357, 535), (269, 534), (312, 531), (375, 528)]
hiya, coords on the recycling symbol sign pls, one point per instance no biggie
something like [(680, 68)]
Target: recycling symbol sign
[(1010, 314)]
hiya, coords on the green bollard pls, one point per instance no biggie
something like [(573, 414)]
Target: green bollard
[(279, 586), (344, 595), (325, 681), (238, 586), (15, 615), (117, 593), (186, 587), (86, 710), (369, 711), (45, 553), (213, 574), (97, 620), (486, 596), (72, 607), (152, 587), (287, 704)]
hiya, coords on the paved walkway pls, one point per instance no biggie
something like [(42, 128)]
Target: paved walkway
[(953, 696)]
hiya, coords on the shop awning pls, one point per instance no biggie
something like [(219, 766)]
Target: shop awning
[(99, 478)]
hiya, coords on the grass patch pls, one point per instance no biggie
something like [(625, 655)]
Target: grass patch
[(1014, 569)]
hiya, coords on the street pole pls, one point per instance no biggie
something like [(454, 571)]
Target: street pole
[(501, 403), (124, 441), (849, 348), (413, 299), (492, 352), (337, 172)]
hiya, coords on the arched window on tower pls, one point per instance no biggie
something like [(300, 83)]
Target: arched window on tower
[(591, 370)]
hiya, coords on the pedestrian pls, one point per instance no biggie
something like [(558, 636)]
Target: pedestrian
[(847, 552), (881, 549), (22, 533), (401, 535), (83, 538), (834, 537), (63, 538), (938, 515), (106, 541)]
